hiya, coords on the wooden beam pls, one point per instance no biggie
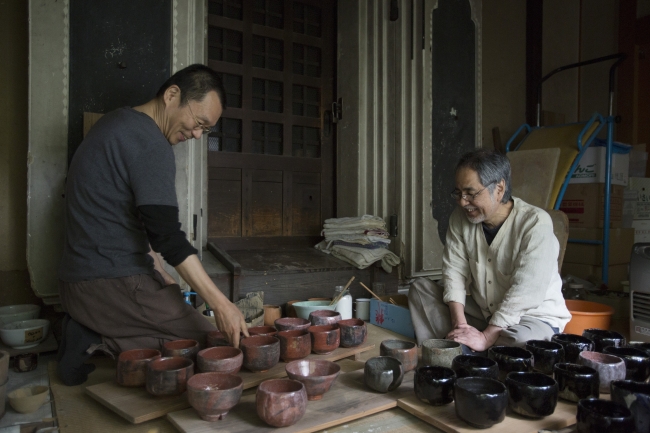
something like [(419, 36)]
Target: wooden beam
[(534, 20)]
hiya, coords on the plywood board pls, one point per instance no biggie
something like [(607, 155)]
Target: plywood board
[(444, 418), (348, 399)]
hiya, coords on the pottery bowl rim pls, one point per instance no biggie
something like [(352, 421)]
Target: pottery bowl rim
[(597, 406), (351, 323), (631, 386), (604, 333), (544, 345), (215, 353), (627, 353), (474, 361), (601, 358), (574, 370), (180, 344), (169, 364), (324, 313), (293, 333), (226, 382), (399, 346), (389, 362), (294, 369), (481, 386), (138, 355), (436, 373), (258, 341), (572, 339), (528, 379), (440, 343), (511, 352), (287, 386), (317, 329)]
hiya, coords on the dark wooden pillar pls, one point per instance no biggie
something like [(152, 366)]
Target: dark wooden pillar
[(534, 20)]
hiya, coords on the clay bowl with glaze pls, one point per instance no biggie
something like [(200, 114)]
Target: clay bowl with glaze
[(576, 382), (317, 375), (511, 359), (603, 338), (169, 376), (354, 332), (294, 344), (222, 359), (292, 324), (324, 338), (480, 402), (637, 362), (212, 395), (324, 317), (216, 338), (573, 345), (533, 395), (546, 354), (260, 352), (132, 366), (439, 352), (609, 367), (269, 331), (636, 397), (281, 402), (383, 373), (603, 416), (475, 366), (434, 385), (183, 348), (405, 352)]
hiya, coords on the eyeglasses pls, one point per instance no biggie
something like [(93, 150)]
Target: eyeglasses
[(458, 196), (206, 129)]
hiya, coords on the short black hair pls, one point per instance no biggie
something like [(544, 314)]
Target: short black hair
[(195, 82), (492, 167)]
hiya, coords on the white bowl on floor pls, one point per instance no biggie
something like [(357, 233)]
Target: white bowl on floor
[(25, 333), (15, 313)]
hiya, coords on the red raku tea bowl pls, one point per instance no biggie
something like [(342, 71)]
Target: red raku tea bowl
[(292, 324), (216, 338), (294, 344), (324, 338), (223, 359), (214, 394), (262, 330), (132, 366), (184, 348), (324, 317), (281, 402), (260, 352), (317, 375), (169, 376)]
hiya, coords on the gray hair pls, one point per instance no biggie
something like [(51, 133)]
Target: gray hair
[(492, 167)]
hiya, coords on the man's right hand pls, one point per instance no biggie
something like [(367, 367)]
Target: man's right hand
[(230, 320)]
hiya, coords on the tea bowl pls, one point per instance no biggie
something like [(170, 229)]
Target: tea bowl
[(609, 367), (475, 366), (281, 402), (324, 338), (546, 354), (223, 359), (405, 352), (317, 375), (184, 348), (480, 402), (132, 366), (511, 359), (637, 362), (262, 330), (603, 416), (28, 399), (434, 385), (603, 338), (353, 332), (294, 344), (533, 395), (636, 397), (292, 324), (383, 373), (216, 338), (441, 353), (169, 376), (214, 394), (324, 317), (260, 352), (303, 308), (640, 345), (576, 382), (573, 345)]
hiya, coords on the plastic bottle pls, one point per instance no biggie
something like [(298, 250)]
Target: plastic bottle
[(344, 305)]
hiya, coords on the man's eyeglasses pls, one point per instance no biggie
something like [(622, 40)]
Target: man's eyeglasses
[(458, 196), (206, 129)]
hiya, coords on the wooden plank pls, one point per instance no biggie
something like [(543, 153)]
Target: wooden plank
[(224, 173), (287, 197), (266, 208), (267, 176), (306, 212), (347, 400), (224, 208), (263, 162), (276, 242)]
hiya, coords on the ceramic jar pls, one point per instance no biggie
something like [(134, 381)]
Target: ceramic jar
[(636, 397), (441, 353), (434, 385), (168, 376), (317, 375), (546, 354), (405, 352), (603, 416), (353, 332), (383, 373), (480, 402), (576, 382), (281, 402), (609, 367), (532, 395), (260, 352), (475, 366), (637, 362), (222, 359), (511, 359), (573, 345), (325, 339), (603, 338), (132, 366), (294, 344), (212, 395)]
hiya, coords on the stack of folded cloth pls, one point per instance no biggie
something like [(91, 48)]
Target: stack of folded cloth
[(360, 241)]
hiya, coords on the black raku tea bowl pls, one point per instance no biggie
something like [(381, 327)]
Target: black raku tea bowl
[(479, 401), (576, 382), (573, 345), (475, 366), (435, 385), (637, 362), (383, 373), (603, 338), (636, 397), (511, 359), (546, 355), (640, 345), (603, 416), (533, 395)]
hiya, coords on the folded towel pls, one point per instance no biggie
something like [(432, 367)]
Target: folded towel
[(366, 221), (360, 257)]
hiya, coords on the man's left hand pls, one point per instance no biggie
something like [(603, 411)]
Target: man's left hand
[(473, 338)]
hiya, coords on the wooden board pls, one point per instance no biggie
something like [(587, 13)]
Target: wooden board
[(347, 400)]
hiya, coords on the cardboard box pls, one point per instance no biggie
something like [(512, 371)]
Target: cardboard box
[(396, 318), (584, 205), (591, 168), (617, 274), (641, 230), (642, 186), (620, 246)]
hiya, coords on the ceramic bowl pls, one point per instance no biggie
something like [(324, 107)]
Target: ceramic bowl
[(573, 345), (603, 416), (317, 376), (533, 395), (480, 402), (183, 348), (324, 317), (294, 344), (169, 376), (636, 397), (325, 338), (475, 366), (132, 366), (383, 373), (260, 352), (603, 338), (434, 385), (576, 382), (353, 332), (405, 352), (511, 359), (17, 313), (24, 334), (304, 308), (222, 359), (271, 314), (292, 324), (262, 330), (440, 353), (546, 354), (637, 362), (216, 338), (281, 402), (212, 395), (609, 367), (29, 399), (640, 345)]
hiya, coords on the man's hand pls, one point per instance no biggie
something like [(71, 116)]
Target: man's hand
[(473, 338), (229, 320)]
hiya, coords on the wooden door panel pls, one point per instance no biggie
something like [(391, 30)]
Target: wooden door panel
[(305, 205), (267, 209), (224, 208)]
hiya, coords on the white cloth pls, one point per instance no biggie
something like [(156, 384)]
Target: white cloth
[(515, 276), (365, 222)]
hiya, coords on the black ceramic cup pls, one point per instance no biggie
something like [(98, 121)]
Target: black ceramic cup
[(546, 354), (383, 373), (576, 382), (603, 338), (533, 395), (640, 345), (475, 366), (480, 402), (573, 345), (511, 359), (636, 397), (603, 416), (435, 385), (637, 362)]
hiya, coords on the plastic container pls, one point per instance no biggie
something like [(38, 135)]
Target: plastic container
[(587, 315)]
